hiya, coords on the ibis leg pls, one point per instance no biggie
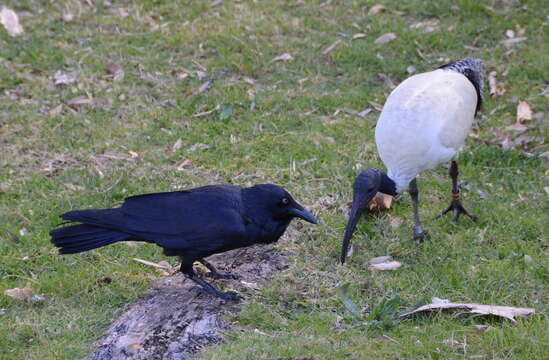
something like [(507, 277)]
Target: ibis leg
[(455, 206), (214, 273), (419, 235)]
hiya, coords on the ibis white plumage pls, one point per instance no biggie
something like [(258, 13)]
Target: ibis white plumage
[(424, 123)]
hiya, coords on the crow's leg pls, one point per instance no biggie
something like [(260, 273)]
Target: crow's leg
[(187, 270), (216, 274), (419, 235), (455, 206)]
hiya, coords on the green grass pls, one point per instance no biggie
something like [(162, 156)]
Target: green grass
[(265, 132)]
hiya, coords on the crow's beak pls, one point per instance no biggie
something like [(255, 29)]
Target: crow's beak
[(301, 213)]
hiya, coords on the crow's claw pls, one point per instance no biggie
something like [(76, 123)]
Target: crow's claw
[(200, 290), (230, 295), (222, 275)]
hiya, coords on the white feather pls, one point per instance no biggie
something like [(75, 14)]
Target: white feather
[(424, 122)]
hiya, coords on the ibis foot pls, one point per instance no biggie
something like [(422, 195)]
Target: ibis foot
[(419, 234), (457, 209)]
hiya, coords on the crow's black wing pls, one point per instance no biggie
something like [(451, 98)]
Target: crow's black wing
[(204, 216), (208, 218)]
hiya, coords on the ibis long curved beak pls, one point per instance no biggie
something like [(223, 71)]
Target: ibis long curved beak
[(360, 201)]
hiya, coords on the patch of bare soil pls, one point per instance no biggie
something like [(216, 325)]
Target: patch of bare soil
[(173, 321)]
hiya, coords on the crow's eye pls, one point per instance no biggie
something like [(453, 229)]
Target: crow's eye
[(285, 201)]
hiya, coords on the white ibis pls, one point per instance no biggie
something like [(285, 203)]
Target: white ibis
[(423, 123)]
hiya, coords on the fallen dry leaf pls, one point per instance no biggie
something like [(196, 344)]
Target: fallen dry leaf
[(330, 48), (426, 26), (380, 202), (185, 164), (525, 139), (495, 90), (120, 11), (204, 87), (80, 101), (450, 342), (62, 79), (111, 154), (510, 34), (177, 145), (68, 17), (375, 105), (326, 202), (385, 38), (376, 9), (359, 36), (10, 20), (115, 71), (248, 80), (204, 113), (379, 260), (509, 42), (346, 111), (507, 312), (182, 75), (55, 111), (524, 112), (198, 147), (387, 81), (390, 265), (483, 195), (284, 57), (338, 322), (22, 294), (73, 187), (517, 127), (395, 222), (250, 285), (481, 329), (165, 264), (58, 163)]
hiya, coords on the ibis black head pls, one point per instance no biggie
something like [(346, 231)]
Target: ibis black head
[(365, 188)]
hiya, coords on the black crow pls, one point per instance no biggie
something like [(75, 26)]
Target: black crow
[(192, 224)]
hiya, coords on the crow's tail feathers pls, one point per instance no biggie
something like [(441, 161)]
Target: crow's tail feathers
[(83, 237)]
